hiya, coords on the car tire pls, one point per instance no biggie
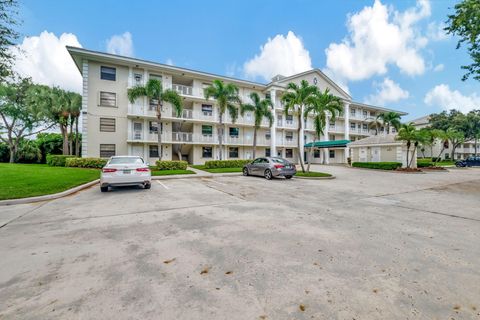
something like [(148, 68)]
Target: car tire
[(104, 189), (268, 174), (245, 172), (288, 177), (147, 186)]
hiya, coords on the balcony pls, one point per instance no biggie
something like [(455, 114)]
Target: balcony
[(186, 90), (182, 137), (290, 124), (186, 114)]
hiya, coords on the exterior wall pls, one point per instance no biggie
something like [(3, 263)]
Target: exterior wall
[(390, 153)]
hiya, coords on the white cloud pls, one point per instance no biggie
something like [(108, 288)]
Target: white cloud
[(442, 96), (435, 31), (380, 36), (46, 60), (387, 91), (169, 62), (439, 67), (121, 44), (283, 55)]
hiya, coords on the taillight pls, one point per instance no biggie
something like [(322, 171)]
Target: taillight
[(143, 169), (106, 170), (278, 166)]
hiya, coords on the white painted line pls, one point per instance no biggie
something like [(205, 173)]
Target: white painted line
[(162, 184)]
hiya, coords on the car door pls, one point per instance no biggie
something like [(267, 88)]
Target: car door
[(262, 165), (254, 166)]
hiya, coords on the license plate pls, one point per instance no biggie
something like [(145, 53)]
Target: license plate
[(127, 171), (288, 167)]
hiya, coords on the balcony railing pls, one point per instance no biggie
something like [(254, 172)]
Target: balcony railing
[(182, 89), (182, 136), (186, 114)]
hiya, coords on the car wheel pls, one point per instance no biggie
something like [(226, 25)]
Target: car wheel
[(288, 177), (147, 186), (104, 189), (245, 172), (268, 174)]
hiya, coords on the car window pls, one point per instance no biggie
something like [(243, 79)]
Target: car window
[(258, 160), (126, 160), (279, 160), (263, 160)]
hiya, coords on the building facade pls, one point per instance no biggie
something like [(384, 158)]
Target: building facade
[(463, 151), (111, 125)]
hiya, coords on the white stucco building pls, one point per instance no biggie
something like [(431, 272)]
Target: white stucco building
[(111, 125)]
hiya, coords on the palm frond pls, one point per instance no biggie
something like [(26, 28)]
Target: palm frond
[(174, 99), (233, 111)]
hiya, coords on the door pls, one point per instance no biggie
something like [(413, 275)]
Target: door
[(137, 131), (362, 155), (138, 151), (375, 154)]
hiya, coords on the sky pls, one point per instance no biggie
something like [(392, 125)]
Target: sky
[(383, 52)]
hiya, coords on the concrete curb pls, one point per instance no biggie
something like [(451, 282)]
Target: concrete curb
[(49, 196), (316, 178)]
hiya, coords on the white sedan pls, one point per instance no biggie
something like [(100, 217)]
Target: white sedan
[(125, 171)]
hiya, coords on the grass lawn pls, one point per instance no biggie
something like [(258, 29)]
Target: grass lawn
[(313, 174), (217, 170), (170, 172), (30, 180)]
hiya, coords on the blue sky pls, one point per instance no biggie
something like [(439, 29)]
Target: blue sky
[(388, 53)]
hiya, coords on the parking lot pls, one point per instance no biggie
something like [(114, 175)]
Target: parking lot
[(366, 245)]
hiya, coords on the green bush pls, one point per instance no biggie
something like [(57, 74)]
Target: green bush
[(377, 165), (57, 160), (213, 164), (424, 164), (86, 162), (171, 165)]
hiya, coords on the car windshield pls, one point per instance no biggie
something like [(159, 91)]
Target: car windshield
[(279, 160), (126, 160)]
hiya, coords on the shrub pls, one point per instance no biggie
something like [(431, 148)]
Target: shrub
[(86, 162), (424, 164), (377, 165), (57, 160), (171, 165), (213, 164)]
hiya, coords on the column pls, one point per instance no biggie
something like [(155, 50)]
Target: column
[(301, 147), (346, 117), (326, 154), (273, 129)]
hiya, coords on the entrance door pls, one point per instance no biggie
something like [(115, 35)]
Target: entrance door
[(375, 154), (137, 131)]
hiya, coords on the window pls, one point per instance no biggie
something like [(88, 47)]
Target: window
[(268, 96), (316, 153), (207, 130), (331, 154), (332, 137), (352, 112), (352, 126), (107, 125), (156, 77), (268, 135), (107, 150), (365, 113), (289, 118), (267, 152), (233, 132), (233, 152), (153, 151), (365, 126), (332, 124), (288, 153), (153, 104), (137, 77), (206, 152), (127, 160), (289, 135), (153, 127), (207, 109), (108, 73), (108, 99)]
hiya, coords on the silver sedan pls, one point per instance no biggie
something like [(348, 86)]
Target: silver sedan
[(270, 167)]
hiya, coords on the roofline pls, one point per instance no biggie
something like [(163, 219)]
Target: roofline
[(129, 60), (402, 113), (399, 143)]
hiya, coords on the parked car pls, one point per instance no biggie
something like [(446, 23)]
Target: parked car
[(471, 161), (270, 167), (125, 171)]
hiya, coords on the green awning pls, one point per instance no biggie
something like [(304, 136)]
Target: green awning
[(328, 144)]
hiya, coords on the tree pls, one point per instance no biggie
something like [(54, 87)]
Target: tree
[(374, 124), (74, 108), (49, 143), (390, 119), (8, 37), (226, 96), (154, 91), (261, 108), (321, 105), (412, 137), (295, 100), (19, 117), (438, 134), (465, 23), (473, 127), (456, 138)]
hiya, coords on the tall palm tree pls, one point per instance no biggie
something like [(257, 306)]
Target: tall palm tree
[(390, 119), (295, 100), (74, 107), (374, 124), (153, 90), (410, 135), (321, 105), (261, 108), (227, 99)]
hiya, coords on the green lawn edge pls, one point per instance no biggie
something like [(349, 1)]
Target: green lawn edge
[(156, 173), (313, 174), (217, 170)]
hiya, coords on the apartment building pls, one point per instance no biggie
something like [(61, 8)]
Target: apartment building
[(463, 151), (111, 125)]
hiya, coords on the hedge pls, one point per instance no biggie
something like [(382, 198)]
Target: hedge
[(377, 165), (57, 160), (171, 165), (424, 164), (214, 164), (86, 162)]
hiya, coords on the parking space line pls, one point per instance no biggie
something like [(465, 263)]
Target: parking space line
[(162, 184)]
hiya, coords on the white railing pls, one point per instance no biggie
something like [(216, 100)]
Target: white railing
[(182, 136), (182, 89), (137, 135), (186, 114), (205, 138), (290, 124), (290, 142)]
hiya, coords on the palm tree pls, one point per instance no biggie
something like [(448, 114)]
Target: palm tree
[(74, 107), (295, 100), (390, 119), (153, 90), (321, 105), (409, 134), (374, 124), (261, 108), (227, 99)]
